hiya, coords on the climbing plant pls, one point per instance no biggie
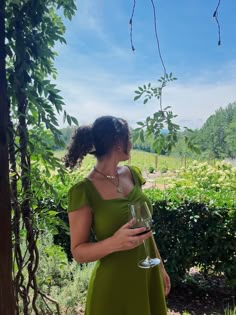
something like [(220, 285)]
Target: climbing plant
[(32, 29)]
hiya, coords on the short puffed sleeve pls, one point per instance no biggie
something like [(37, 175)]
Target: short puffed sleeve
[(77, 196), (138, 175)]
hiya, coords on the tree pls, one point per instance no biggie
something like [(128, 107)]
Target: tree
[(29, 102), (7, 304), (160, 126), (217, 135)]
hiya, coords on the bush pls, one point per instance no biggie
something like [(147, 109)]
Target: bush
[(195, 234), (164, 168), (64, 281), (151, 169)]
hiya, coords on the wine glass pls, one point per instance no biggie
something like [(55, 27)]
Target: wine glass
[(143, 218)]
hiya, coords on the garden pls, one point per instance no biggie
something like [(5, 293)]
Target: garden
[(193, 201), (195, 220)]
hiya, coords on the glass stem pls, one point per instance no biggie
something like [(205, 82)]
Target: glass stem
[(146, 251)]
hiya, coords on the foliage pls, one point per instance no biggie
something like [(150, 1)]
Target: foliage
[(181, 148), (201, 182), (151, 169), (230, 311), (215, 139), (217, 136), (64, 281), (194, 234), (196, 219), (161, 120), (32, 30), (189, 232)]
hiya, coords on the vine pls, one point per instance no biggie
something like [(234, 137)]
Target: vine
[(215, 16), (163, 118), (32, 28)]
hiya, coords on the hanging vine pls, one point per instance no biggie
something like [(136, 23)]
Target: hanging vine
[(215, 16), (163, 118), (32, 29)]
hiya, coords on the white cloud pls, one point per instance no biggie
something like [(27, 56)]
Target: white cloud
[(194, 103), (102, 80), (88, 97)]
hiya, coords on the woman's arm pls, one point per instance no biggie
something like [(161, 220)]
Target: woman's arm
[(84, 251)]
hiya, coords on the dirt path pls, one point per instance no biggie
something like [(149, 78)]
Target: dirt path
[(151, 181), (153, 185)]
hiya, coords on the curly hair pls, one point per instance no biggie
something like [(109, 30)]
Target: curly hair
[(98, 139)]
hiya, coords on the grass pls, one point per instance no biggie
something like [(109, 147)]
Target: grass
[(144, 160)]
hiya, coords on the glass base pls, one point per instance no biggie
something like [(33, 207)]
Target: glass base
[(149, 263)]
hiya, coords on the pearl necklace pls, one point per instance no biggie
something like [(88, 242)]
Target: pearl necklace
[(119, 189)]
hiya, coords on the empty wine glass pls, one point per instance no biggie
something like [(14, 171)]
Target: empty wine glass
[(143, 218)]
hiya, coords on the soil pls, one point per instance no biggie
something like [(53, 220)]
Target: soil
[(202, 295)]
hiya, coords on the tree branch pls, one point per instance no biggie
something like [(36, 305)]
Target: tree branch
[(131, 26), (215, 16), (156, 35)]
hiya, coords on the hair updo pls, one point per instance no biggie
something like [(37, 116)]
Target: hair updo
[(98, 139)]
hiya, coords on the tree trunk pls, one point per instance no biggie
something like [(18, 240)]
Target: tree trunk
[(7, 300)]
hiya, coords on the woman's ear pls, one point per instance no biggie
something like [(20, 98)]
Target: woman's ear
[(118, 145)]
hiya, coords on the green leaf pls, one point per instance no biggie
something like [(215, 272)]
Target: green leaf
[(68, 120), (75, 121), (140, 123), (137, 97), (141, 135), (64, 116)]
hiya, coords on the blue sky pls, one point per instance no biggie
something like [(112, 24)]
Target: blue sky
[(98, 72)]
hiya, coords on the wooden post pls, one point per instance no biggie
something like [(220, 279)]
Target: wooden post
[(156, 162)]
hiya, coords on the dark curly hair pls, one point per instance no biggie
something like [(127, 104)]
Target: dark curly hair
[(97, 139)]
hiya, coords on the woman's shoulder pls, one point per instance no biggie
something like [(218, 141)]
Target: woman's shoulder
[(136, 172), (79, 186), (134, 168), (78, 195)]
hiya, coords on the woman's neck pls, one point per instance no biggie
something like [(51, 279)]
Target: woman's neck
[(107, 166)]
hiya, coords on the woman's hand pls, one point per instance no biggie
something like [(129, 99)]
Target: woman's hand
[(166, 281), (127, 238)]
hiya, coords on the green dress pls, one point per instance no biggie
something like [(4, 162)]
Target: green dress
[(117, 285)]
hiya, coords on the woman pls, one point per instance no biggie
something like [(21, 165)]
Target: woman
[(100, 202)]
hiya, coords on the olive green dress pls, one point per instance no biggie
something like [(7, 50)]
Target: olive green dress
[(117, 285)]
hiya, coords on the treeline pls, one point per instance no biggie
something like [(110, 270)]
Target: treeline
[(216, 138), (218, 134)]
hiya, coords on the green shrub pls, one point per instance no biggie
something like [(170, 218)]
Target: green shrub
[(195, 234), (204, 181), (65, 282), (151, 169), (164, 167)]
